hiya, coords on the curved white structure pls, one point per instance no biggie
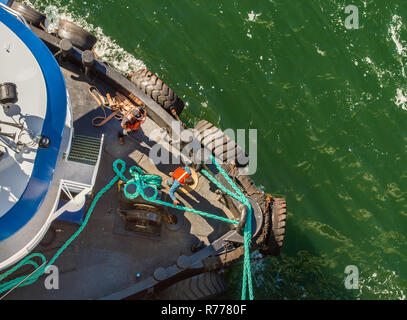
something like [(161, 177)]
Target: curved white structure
[(34, 168), (19, 66)]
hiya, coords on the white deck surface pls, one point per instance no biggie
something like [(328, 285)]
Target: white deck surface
[(18, 65)]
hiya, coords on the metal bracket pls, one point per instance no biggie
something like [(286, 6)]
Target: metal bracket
[(74, 204), (235, 237)]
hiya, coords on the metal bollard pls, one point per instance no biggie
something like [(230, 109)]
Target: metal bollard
[(88, 60), (66, 47)]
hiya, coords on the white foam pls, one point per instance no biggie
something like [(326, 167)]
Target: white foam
[(401, 99), (394, 30), (383, 284), (106, 48), (321, 52), (253, 16)]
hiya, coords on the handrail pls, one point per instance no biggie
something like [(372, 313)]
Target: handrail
[(16, 14)]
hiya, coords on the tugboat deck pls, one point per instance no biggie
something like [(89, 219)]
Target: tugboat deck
[(127, 248), (106, 258)]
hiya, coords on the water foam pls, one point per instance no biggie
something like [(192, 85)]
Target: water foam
[(106, 48), (401, 99), (253, 16), (394, 31)]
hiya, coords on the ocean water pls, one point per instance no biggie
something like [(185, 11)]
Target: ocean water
[(330, 107)]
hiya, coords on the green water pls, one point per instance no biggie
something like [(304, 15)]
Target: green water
[(329, 106)]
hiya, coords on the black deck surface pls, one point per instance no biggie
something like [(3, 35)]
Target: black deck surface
[(103, 259)]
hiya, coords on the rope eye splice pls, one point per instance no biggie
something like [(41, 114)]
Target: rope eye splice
[(142, 182)]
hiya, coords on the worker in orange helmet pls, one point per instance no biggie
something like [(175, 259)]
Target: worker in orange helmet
[(132, 121), (180, 177)]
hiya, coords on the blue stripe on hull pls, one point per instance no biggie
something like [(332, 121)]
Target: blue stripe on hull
[(30, 201)]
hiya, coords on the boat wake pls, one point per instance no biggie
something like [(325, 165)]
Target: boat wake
[(106, 48), (394, 32)]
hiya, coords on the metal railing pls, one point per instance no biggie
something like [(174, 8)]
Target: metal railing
[(15, 13)]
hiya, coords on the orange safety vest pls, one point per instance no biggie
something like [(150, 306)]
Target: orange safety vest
[(133, 124), (180, 175)]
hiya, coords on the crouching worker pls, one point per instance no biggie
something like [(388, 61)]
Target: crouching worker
[(132, 121), (180, 177)]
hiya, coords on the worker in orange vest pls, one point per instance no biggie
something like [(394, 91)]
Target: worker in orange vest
[(180, 177), (132, 121)]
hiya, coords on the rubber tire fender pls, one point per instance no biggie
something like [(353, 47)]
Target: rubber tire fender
[(32, 16), (276, 237), (156, 89), (79, 37), (219, 144), (204, 286)]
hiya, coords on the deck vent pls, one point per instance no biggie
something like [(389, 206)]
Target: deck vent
[(85, 149)]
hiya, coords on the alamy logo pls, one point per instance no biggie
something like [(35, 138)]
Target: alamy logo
[(52, 281), (352, 279), (352, 21), (190, 146)]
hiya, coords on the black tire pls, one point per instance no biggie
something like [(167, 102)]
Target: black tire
[(79, 37), (32, 16), (248, 184), (156, 89), (276, 237), (220, 144), (204, 286)]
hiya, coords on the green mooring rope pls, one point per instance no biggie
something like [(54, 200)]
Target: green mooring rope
[(41, 268), (142, 182), (247, 274)]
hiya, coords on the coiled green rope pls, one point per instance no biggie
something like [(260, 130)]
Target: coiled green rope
[(142, 182)]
